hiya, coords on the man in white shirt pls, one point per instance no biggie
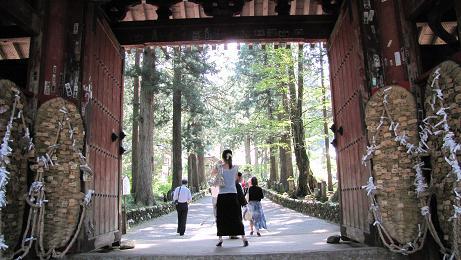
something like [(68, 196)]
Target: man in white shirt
[(182, 197)]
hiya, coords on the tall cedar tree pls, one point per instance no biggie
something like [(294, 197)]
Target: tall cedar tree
[(296, 98), (325, 118), (286, 166), (143, 193), (177, 114), (135, 132)]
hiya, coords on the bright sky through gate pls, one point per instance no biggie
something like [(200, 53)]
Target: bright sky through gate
[(226, 56)]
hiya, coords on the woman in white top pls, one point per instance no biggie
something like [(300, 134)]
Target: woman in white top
[(229, 213)]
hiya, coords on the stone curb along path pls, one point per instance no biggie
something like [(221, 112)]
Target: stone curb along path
[(325, 210), (139, 215)]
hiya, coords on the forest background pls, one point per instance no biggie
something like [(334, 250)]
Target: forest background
[(269, 103)]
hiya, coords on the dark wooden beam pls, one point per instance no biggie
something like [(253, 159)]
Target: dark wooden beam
[(207, 30), (12, 31), (2, 54), (458, 18), (22, 14), (293, 7), (418, 7), (265, 7), (17, 49), (182, 8), (196, 11)]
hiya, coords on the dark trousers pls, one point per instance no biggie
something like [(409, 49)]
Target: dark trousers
[(182, 209)]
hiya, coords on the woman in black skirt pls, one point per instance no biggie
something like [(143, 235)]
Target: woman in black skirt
[(228, 212)]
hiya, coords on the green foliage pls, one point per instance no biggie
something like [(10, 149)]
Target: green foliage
[(161, 188), (225, 108)]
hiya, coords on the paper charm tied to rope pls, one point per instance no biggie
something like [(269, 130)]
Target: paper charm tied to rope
[(393, 136), (15, 144), (57, 204)]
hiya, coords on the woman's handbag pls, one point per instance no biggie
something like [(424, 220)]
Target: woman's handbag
[(240, 196), (247, 214), (218, 180)]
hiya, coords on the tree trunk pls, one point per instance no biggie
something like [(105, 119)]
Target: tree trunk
[(302, 161), (264, 161), (135, 133), (283, 165), (144, 194), (285, 151), (270, 142), (176, 142), (247, 149), (256, 166), (190, 175), (201, 167), (325, 120), (195, 177)]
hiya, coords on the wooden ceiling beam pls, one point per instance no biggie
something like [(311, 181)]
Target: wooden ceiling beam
[(265, 7), (17, 49), (144, 9), (2, 54), (22, 14), (308, 7), (216, 30), (12, 31), (293, 7), (458, 19), (182, 9), (129, 15), (252, 7), (197, 11)]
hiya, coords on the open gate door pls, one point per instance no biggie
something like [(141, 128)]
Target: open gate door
[(349, 90), (103, 83)]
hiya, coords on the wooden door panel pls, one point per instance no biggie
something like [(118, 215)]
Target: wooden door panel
[(348, 90), (104, 72)]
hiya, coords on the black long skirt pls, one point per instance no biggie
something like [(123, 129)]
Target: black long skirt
[(229, 215)]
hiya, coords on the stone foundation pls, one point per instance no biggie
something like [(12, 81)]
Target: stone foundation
[(324, 210)]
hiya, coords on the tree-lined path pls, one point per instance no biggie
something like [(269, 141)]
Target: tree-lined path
[(291, 235)]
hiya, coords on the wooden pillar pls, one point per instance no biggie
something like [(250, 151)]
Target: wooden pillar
[(370, 43), (458, 18), (61, 50), (35, 54), (390, 41), (411, 52)]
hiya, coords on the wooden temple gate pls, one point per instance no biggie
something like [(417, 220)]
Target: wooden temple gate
[(371, 44), (349, 91), (103, 78)]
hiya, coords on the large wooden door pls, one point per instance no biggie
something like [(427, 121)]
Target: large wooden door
[(103, 81), (349, 92)]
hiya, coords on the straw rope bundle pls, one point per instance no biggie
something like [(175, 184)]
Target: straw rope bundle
[(59, 127), (389, 113), (11, 214), (443, 111)]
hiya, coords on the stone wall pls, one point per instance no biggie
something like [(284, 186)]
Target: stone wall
[(324, 210), (139, 215)]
